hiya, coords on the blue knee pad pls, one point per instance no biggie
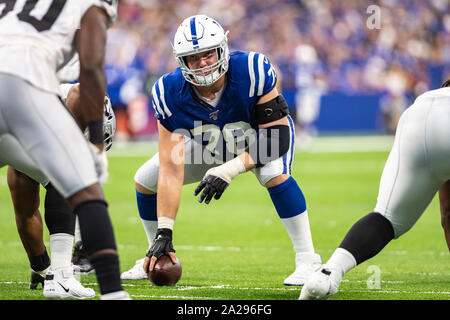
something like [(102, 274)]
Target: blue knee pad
[(288, 198), (147, 206)]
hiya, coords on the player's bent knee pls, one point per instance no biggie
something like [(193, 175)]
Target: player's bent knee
[(146, 180), (102, 252), (89, 193), (368, 236), (399, 227), (277, 180), (141, 189)]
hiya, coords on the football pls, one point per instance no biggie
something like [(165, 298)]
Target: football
[(165, 273)]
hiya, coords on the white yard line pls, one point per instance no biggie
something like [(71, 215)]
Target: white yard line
[(239, 249), (225, 286), (170, 297)]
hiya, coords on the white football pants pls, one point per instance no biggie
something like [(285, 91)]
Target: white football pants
[(37, 128), (419, 162), (147, 174)]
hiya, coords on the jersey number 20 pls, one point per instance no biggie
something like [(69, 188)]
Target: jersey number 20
[(40, 25)]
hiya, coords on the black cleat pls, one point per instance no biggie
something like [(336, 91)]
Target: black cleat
[(35, 279), (80, 261)]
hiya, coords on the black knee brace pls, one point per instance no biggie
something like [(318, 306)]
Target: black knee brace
[(95, 226), (59, 217), (368, 236)]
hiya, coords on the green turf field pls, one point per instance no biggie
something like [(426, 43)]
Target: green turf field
[(237, 249)]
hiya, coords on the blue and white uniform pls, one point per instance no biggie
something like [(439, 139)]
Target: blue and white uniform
[(217, 128), (222, 128)]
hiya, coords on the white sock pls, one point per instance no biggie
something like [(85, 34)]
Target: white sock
[(299, 231), (150, 227), (77, 230), (342, 260), (61, 245)]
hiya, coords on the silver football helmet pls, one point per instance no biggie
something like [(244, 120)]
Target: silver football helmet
[(109, 125), (198, 34)]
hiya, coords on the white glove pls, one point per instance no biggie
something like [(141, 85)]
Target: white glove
[(101, 163)]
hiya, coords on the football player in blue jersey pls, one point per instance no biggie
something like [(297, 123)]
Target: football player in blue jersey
[(218, 115)]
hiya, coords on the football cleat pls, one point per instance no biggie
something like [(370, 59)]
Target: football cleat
[(36, 278), (81, 264), (305, 265), (61, 284), (135, 273), (321, 285)]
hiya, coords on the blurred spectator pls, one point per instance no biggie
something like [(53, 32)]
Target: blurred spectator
[(394, 60), (310, 86)]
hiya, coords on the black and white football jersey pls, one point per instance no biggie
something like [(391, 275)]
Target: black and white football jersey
[(37, 37)]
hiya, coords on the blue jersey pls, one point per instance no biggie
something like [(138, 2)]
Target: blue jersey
[(250, 75)]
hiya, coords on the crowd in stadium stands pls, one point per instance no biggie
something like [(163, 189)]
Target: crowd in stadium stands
[(329, 44)]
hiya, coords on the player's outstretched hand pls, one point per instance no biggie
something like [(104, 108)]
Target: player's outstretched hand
[(161, 246), (212, 186)]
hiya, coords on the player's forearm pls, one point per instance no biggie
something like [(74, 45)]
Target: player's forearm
[(92, 93), (169, 193), (247, 160), (91, 44), (73, 104)]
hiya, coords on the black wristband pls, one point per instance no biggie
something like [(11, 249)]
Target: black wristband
[(162, 244), (166, 233), (96, 135)]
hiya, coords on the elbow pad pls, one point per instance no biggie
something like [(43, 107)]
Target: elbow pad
[(272, 110), (272, 143)]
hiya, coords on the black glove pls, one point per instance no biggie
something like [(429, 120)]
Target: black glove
[(162, 244), (211, 186)]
